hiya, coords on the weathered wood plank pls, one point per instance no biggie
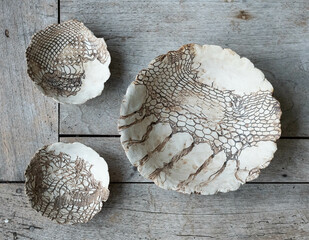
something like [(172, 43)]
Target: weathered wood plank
[(273, 34), (143, 211), (28, 119), (289, 165)]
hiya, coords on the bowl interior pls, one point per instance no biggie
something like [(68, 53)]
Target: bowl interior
[(200, 119)]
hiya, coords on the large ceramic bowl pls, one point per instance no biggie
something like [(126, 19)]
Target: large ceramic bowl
[(200, 120)]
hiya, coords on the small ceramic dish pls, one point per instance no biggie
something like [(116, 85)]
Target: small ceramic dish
[(68, 63), (67, 182), (200, 120)]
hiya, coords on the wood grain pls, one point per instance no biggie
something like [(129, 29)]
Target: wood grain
[(143, 211), (273, 34), (290, 163), (28, 120)]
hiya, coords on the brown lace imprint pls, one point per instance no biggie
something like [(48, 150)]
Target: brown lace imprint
[(63, 189), (170, 81), (56, 56)]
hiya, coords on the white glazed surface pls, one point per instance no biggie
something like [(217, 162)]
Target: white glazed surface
[(99, 167), (96, 74)]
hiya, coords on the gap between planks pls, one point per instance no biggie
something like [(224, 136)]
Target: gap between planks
[(117, 136), (149, 183), (58, 103)]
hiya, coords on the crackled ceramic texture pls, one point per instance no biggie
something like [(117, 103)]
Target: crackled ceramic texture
[(67, 182), (68, 63), (200, 120)]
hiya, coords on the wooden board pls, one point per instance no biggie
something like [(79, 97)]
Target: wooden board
[(28, 120), (143, 211), (273, 34), (289, 165)]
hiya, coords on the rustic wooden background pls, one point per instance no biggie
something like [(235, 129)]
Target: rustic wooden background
[(273, 34)]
